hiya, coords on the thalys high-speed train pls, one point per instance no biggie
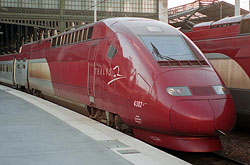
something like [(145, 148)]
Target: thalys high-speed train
[(226, 44), (130, 73)]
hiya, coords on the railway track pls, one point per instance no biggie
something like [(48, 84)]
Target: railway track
[(210, 158), (234, 161), (235, 150)]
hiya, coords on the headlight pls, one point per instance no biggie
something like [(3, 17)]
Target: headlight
[(220, 90), (178, 91)]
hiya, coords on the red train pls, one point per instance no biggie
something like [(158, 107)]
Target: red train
[(130, 73), (226, 44)]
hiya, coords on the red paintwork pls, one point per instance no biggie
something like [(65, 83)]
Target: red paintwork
[(185, 123), (225, 40), (7, 57), (181, 143)]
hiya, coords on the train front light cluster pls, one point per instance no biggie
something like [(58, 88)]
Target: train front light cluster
[(220, 90), (178, 91)]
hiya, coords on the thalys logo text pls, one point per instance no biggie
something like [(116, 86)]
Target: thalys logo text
[(115, 71)]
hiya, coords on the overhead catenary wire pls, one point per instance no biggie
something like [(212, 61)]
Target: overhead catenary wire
[(96, 4)]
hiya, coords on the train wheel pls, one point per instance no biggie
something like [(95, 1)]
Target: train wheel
[(118, 123), (110, 119)]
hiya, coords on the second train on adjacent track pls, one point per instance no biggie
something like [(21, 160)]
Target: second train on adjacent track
[(226, 44)]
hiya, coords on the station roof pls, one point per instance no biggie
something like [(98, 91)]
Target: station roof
[(199, 13)]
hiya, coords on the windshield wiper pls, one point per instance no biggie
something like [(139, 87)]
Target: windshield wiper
[(157, 53)]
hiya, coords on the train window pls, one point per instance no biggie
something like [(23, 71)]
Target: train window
[(66, 39), (245, 26), (80, 35), (168, 48), (72, 37), (112, 52), (69, 38), (0, 67), (58, 41), (76, 36), (90, 31), (85, 34), (54, 42)]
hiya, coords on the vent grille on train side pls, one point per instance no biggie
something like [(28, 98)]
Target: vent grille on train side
[(183, 63), (202, 91)]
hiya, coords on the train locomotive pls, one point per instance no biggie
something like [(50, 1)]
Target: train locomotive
[(130, 73)]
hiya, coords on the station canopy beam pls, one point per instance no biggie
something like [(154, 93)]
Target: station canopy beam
[(200, 11)]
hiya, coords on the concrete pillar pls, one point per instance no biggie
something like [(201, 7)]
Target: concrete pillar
[(61, 21), (237, 8), (221, 11), (95, 11), (163, 10)]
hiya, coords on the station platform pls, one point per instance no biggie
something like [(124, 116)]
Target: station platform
[(36, 131)]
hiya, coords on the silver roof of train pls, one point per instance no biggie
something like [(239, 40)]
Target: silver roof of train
[(142, 26)]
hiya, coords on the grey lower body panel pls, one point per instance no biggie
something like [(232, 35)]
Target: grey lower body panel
[(241, 99)]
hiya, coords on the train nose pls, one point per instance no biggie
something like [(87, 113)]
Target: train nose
[(224, 113), (202, 117)]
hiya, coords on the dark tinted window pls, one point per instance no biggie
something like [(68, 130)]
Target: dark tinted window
[(90, 31), (85, 34), (53, 42), (58, 41), (69, 38), (65, 39), (80, 35), (72, 37), (76, 36), (112, 51), (168, 48)]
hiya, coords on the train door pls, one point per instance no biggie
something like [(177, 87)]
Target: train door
[(91, 74), (21, 69)]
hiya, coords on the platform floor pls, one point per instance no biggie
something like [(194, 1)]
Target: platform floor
[(36, 131)]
